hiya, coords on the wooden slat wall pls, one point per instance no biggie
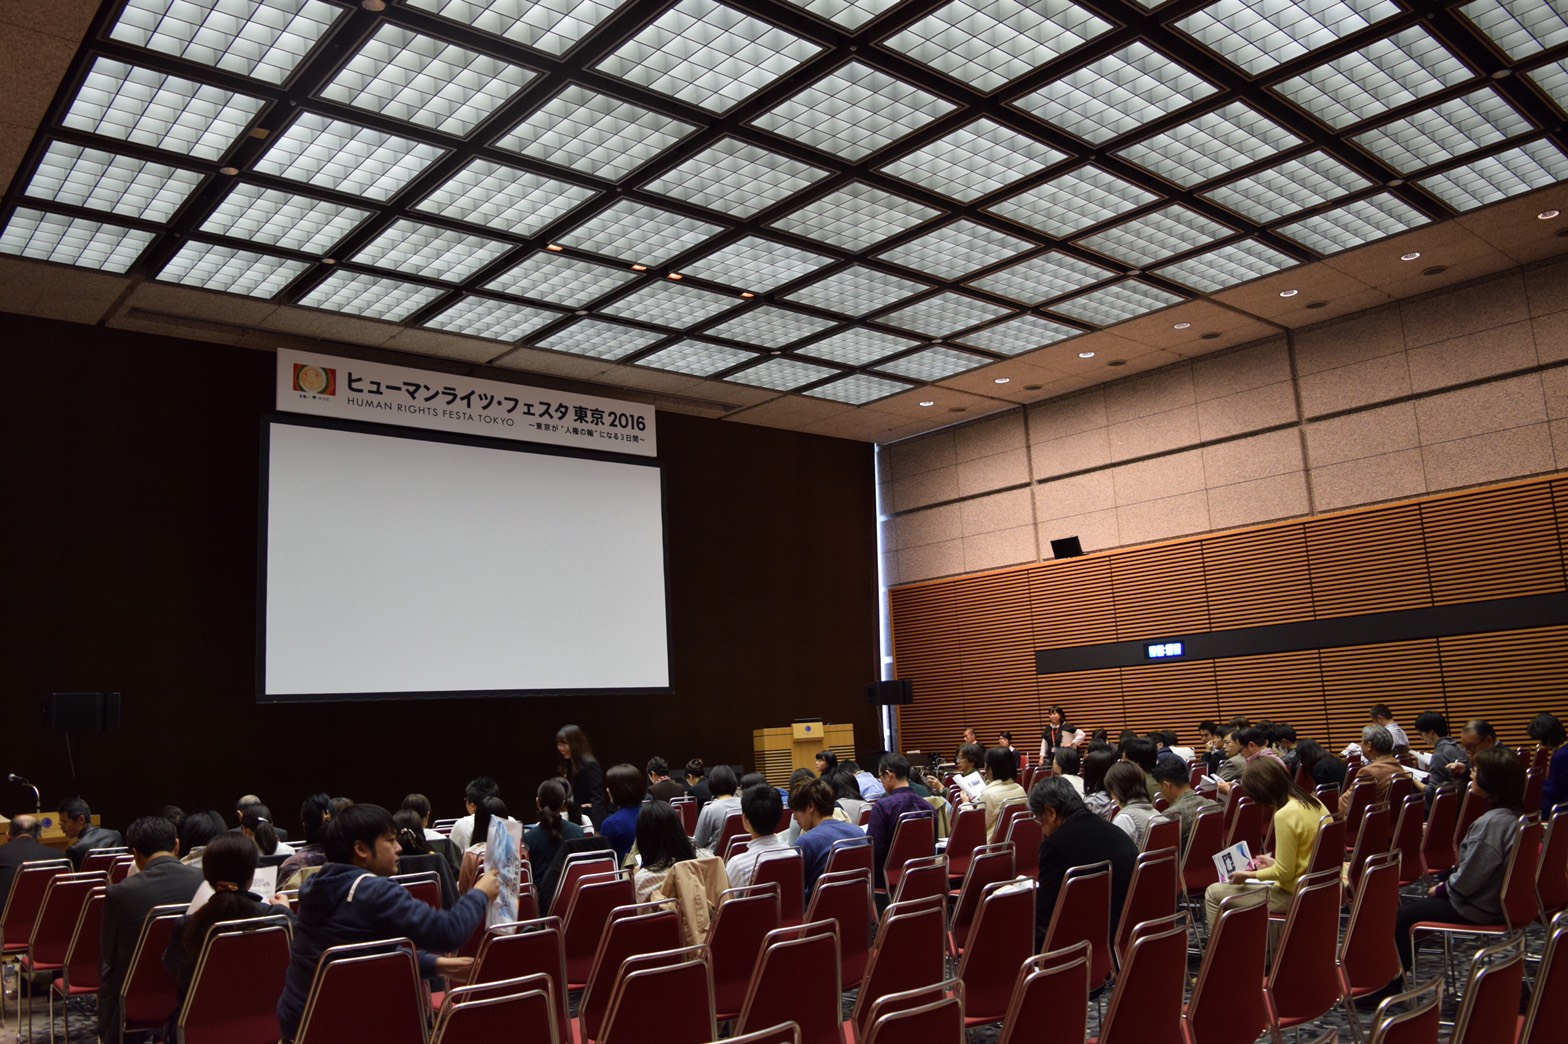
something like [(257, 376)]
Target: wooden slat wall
[(968, 643)]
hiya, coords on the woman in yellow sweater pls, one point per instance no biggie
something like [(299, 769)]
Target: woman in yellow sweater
[(1296, 816)]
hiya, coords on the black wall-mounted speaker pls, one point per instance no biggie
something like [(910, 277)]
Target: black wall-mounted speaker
[(82, 711), (1066, 547), (884, 693)]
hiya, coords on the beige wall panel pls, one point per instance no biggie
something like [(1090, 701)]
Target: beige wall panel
[(989, 437), (1491, 457), (1356, 436), (1359, 384), (1368, 562), (926, 453), (996, 512), (1496, 406), (1485, 353), (925, 488), (1388, 476), (1546, 288), (1265, 407), (931, 560), (1080, 452), (984, 474), (1221, 376), (1078, 495), (1005, 547), (1068, 416), (1261, 500), (1159, 392), (930, 526), (1157, 433), (1156, 479), (1095, 530), (1274, 453), (1554, 385), (1551, 336), (1339, 344), (1154, 520), (1468, 309)]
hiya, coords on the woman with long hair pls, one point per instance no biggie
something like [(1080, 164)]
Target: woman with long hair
[(228, 866), (556, 825), (256, 824), (491, 809), (1322, 765), (581, 771), (661, 842), (1296, 816), (1096, 797), (314, 815), (1131, 792)]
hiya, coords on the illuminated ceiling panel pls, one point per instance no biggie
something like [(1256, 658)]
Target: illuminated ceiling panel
[(988, 45), (551, 26), (263, 39), (231, 271)]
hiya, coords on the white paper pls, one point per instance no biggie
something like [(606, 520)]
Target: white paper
[(972, 785), (1236, 857)]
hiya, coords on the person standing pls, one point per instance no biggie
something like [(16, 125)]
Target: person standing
[(582, 772)]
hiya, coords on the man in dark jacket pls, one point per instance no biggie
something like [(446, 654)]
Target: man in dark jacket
[(350, 900), (160, 878), (24, 846), (1074, 836), (76, 823)]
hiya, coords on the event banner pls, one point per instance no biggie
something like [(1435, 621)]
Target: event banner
[(349, 389)]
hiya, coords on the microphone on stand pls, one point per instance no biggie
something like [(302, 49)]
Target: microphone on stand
[(38, 801)]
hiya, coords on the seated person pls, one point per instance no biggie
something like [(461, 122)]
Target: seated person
[(197, 831), (1066, 764), (415, 855), (761, 808), (1377, 743), (555, 826), (845, 784), (1096, 796), (420, 804), (812, 803), (1296, 813), (256, 824), (76, 824), (315, 812), (1126, 783), (1074, 836), (1181, 801), (627, 787), (1001, 788), (1235, 762), (350, 900), (479, 788), (710, 821), (661, 843), (491, 809), (898, 800), (660, 786), (25, 846)]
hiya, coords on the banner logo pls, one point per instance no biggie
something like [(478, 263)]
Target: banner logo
[(315, 380)]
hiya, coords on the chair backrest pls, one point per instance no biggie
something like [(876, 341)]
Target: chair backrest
[(1417, 1023), (787, 869), (913, 836), (1146, 1007), (1399, 788), (845, 897), (806, 958), (1025, 834), (849, 853), (1489, 1012), (783, 1033), (1534, 787), (233, 996), (1520, 905), (425, 886), (1163, 832), (81, 957), (1302, 982), (121, 868), (520, 1008), (525, 948), (632, 931), (1548, 1012), (1369, 953), (62, 908), (1004, 815), (1363, 795), (909, 954), (1247, 825), (1473, 805), (734, 826), (733, 847), (1409, 824), (689, 811), (101, 859), (745, 917), (1328, 793), (930, 1015), (347, 975), (1439, 848), (1328, 848), (1002, 938), (989, 865), (1204, 842), (586, 917), (1551, 876), (670, 993), (966, 834), (1374, 836), (1083, 912), (922, 876), (1151, 894), (865, 816), (28, 885), (149, 994), (1228, 1005), (1050, 1002), (577, 866)]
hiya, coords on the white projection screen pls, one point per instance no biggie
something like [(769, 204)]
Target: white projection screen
[(397, 566)]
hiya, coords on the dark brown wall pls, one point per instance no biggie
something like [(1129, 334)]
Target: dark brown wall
[(131, 467)]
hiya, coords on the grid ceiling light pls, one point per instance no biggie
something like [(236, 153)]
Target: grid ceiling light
[(857, 346), (123, 185), (551, 26), (973, 161), (1362, 221), (933, 364), (708, 55), (1257, 35), (697, 358), (1073, 201), (769, 326), (1553, 81), (782, 374), (1210, 145), (263, 39), (989, 43), (504, 198), (853, 111), (1042, 278), (855, 217), (856, 291), (283, 219), (857, 389), (594, 133), (1155, 236), (1117, 94), (1289, 187), (676, 305), (1016, 336), (757, 264), (346, 157), (566, 281), (371, 296), (156, 109), (1228, 265), (958, 249), (491, 319), (1532, 165), (411, 248), (736, 178), (597, 339), (942, 314), (73, 241), (421, 80), (1519, 27), (1116, 303), (636, 232), (1383, 75), (1445, 131), (231, 271), (849, 14)]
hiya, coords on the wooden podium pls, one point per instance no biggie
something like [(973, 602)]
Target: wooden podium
[(777, 753)]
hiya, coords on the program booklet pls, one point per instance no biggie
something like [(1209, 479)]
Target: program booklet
[(504, 855)]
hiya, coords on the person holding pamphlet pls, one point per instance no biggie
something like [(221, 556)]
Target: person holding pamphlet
[(1296, 815)]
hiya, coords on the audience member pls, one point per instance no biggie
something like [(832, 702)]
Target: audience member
[(898, 800), (870, 786), (697, 780), (415, 856), (1433, 728), (1066, 764), (76, 823), (761, 808), (627, 788), (1181, 801), (420, 805), (350, 900), (229, 868), (1284, 740), (582, 772), (827, 761), (1096, 798), (1325, 767), (1001, 789), (1235, 762), (24, 845), (1058, 734), (479, 788), (661, 842), (970, 758), (660, 786), (555, 827), (1142, 752), (314, 815), (1477, 735), (197, 831), (491, 810), (1381, 715), (1548, 733), (812, 803), (1211, 747), (847, 787), (160, 878), (1127, 786), (1296, 815), (1074, 836), (710, 821), (245, 804), (256, 824), (1377, 743)]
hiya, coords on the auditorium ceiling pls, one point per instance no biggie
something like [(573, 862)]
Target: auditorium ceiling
[(862, 218)]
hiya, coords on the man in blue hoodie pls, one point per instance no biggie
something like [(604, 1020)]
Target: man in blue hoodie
[(350, 900)]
